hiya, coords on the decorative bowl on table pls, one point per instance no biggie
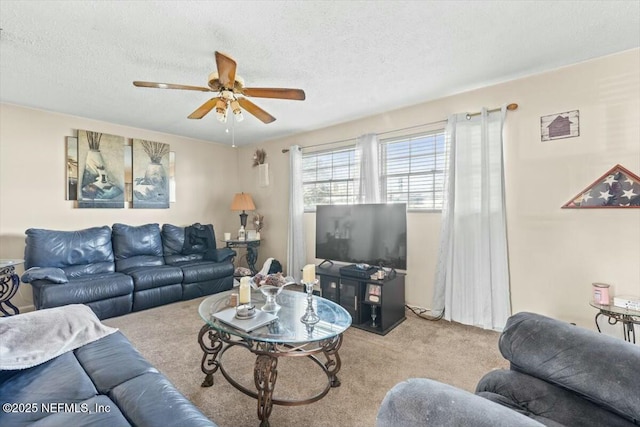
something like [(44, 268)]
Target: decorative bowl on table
[(270, 285)]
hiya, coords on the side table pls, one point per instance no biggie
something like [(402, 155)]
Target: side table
[(9, 282), (251, 247), (628, 318)]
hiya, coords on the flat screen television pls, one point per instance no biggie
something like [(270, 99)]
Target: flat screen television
[(374, 234)]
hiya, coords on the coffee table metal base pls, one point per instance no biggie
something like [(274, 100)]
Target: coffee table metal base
[(215, 343)]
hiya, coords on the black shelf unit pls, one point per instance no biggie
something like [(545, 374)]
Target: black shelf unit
[(358, 296)]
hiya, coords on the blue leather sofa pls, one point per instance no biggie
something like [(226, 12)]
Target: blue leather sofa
[(105, 382), (560, 375), (122, 269)]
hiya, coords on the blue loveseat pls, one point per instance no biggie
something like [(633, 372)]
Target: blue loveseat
[(124, 268), (62, 367)]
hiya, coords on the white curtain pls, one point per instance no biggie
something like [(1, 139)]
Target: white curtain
[(472, 276), (296, 250), (367, 152)]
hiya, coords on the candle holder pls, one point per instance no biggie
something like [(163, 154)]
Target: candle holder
[(246, 311), (310, 317)]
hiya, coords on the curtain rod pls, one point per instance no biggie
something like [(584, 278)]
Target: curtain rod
[(510, 107)]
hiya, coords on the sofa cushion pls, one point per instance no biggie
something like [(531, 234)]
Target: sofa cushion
[(576, 359), (80, 252), (172, 239), (154, 277), (203, 270), (178, 258), (111, 361), (81, 290), (137, 246), (59, 380), (163, 405)]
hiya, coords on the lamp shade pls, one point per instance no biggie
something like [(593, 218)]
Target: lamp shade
[(242, 202)]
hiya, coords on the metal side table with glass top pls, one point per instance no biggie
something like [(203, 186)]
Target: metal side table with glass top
[(9, 283), (629, 318), (285, 336), (251, 246)]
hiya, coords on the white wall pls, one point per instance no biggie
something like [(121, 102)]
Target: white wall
[(555, 254), (32, 181)]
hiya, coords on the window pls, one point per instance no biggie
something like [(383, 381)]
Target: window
[(329, 178), (412, 170)]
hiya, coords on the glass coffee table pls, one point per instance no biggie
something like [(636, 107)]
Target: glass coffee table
[(286, 336)]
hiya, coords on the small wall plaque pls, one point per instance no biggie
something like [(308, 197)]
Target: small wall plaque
[(560, 125)]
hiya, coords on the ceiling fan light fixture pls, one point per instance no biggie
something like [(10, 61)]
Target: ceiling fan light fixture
[(237, 112), (221, 111), (221, 115)]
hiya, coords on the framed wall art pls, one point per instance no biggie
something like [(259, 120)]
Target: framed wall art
[(172, 176), (560, 125), (100, 170), (72, 168), (617, 188), (150, 174)]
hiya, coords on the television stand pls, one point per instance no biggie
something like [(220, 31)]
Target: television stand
[(374, 305), (327, 261)]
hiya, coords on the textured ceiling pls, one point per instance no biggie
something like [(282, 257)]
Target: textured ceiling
[(353, 59)]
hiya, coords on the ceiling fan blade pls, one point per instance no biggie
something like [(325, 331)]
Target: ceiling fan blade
[(170, 86), (204, 109), (226, 70), (281, 93), (252, 108)]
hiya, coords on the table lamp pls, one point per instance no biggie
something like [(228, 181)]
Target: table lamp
[(243, 202)]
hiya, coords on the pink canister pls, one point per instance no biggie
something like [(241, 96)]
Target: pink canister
[(601, 293)]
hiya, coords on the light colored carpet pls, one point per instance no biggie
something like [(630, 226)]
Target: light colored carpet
[(371, 364)]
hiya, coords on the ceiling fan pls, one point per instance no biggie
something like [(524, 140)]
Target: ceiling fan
[(228, 85)]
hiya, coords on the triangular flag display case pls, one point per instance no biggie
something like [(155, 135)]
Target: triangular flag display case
[(618, 188)]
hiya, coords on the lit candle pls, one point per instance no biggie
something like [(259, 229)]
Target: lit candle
[(309, 273), (245, 291)]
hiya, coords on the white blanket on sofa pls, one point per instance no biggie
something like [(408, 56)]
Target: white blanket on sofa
[(29, 339)]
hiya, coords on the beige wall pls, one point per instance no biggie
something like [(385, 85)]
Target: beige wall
[(555, 254), (32, 181)]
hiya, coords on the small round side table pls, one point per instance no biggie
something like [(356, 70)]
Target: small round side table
[(614, 314), (9, 282)]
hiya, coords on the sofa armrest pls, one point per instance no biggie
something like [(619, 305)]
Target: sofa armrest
[(220, 255), (48, 274), (577, 359), (419, 402)]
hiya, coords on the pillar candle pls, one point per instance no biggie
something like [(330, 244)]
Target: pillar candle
[(309, 273), (245, 291)]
